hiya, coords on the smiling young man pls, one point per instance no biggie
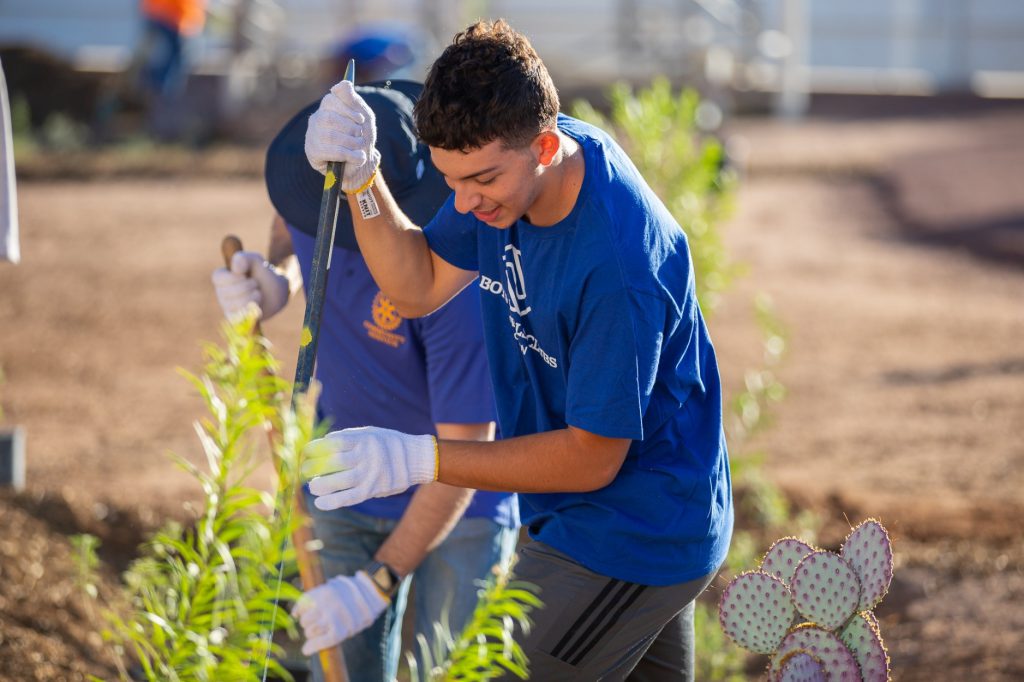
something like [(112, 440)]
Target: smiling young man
[(605, 378)]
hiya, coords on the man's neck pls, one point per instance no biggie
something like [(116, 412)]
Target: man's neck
[(561, 183)]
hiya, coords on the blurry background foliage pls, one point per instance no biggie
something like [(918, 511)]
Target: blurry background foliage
[(686, 168)]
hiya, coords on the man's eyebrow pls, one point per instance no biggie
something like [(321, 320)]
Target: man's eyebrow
[(474, 175)]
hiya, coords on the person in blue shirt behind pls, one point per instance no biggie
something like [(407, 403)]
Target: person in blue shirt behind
[(606, 382), (427, 375)]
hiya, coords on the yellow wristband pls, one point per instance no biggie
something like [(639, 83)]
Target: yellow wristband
[(437, 459), (366, 185)]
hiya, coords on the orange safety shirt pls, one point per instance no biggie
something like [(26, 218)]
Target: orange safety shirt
[(187, 16)]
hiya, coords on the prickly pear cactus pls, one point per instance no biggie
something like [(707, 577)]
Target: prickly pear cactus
[(825, 589), (869, 551), (872, 618), (836, 659), (801, 666), (862, 638), (783, 556), (810, 610), (756, 611)]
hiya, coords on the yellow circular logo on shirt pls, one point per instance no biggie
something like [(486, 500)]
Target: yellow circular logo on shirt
[(384, 314)]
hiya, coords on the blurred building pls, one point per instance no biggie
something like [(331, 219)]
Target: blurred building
[(782, 48)]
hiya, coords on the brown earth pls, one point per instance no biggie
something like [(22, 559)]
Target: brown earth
[(891, 247)]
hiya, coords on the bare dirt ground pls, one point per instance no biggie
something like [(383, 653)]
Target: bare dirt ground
[(893, 250)]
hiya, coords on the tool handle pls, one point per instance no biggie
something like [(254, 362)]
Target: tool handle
[(331, 660), (229, 246), (316, 286)]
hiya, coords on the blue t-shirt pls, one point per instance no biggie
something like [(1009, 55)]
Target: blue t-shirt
[(377, 368), (593, 322)]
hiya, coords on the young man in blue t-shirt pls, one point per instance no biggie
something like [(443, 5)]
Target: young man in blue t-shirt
[(427, 375), (605, 378)]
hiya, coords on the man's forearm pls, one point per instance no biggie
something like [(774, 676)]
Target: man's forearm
[(416, 280), (281, 252), (434, 510), (566, 460)]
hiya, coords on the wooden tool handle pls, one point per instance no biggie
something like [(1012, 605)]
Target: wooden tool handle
[(229, 246), (311, 573)]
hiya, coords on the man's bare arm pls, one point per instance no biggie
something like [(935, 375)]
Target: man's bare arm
[(417, 280), (281, 252), (565, 460)]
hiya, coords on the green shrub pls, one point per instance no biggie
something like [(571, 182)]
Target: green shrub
[(684, 167), (204, 600), (485, 649)]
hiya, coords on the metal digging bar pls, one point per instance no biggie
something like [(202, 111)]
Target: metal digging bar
[(330, 659), (310, 570)]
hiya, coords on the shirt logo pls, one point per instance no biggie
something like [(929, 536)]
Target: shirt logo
[(513, 293), (385, 320), (516, 283)]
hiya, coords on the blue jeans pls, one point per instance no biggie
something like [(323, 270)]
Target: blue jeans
[(163, 54), (445, 583)]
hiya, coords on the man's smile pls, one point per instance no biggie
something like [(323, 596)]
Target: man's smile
[(487, 216)]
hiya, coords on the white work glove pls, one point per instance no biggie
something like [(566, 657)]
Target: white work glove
[(250, 281), (353, 465), (333, 612), (344, 128)]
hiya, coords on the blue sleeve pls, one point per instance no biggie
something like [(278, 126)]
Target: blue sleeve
[(458, 377), (452, 236), (614, 356)]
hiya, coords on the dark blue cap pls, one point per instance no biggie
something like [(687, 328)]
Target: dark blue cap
[(296, 189)]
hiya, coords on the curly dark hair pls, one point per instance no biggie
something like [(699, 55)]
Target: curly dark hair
[(489, 84)]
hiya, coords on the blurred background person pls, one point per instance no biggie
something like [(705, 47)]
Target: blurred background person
[(380, 51), (163, 60)]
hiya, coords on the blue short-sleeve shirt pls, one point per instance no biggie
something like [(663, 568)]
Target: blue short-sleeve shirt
[(593, 322), (378, 368)]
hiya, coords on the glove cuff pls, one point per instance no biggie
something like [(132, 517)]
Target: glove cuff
[(362, 176), (425, 459)]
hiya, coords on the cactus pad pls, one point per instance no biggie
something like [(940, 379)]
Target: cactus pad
[(783, 556), (756, 611), (862, 638), (872, 618), (869, 551), (836, 659), (802, 667), (825, 589)]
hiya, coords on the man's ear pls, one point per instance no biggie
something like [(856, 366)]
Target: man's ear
[(545, 147)]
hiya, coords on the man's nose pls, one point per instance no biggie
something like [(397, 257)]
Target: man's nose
[(466, 201)]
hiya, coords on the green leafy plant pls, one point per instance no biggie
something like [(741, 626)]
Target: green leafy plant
[(86, 562), (684, 167), (485, 649), (204, 599)]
